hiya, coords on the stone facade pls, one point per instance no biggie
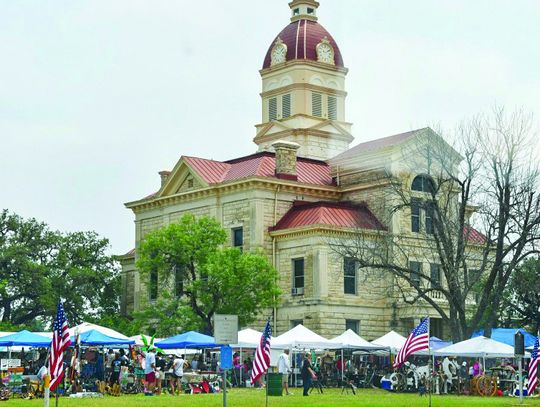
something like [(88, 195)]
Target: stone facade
[(256, 203)]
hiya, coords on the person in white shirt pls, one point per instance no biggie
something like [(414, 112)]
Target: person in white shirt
[(177, 373), (150, 370), (284, 367)]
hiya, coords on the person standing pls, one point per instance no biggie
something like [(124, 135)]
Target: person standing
[(177, 373), (307, 374), (161, 364), (284, 367), (150, 370)]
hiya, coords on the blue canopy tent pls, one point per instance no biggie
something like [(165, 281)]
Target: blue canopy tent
[(25, 338), (189, 339), (436, 343), (96, 338), (506, 335)]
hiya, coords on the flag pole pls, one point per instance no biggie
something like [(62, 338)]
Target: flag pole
[(266, 382), (432, 363)]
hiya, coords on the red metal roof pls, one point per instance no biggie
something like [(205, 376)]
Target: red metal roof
[(301, 38), (473, 235), (258, 165), (341, 214)]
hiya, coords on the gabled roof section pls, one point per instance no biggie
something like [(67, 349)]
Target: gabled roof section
[(258, 165), (379, 143), (335, 214), (474, 236)]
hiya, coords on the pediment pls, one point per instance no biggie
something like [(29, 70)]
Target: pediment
[(182, 179)]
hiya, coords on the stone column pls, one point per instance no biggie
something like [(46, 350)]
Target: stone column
[(320, 272)]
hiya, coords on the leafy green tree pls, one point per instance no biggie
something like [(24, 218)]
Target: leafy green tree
[(197, 277), (39, 266), (522, 297)]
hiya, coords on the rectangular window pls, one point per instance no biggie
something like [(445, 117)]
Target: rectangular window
[(316, 104), (179, 273), (286, 105), (238, 237), (353, 325), (332, 107), (298, 276), (435, 276), (153, 286), (436, 327), (296, 322), (430, 210), (349, 275), (272, 109), (415, 216), (310, 11), (416, 270), (296, 11)]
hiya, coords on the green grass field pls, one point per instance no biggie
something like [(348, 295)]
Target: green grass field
[(251, 397)]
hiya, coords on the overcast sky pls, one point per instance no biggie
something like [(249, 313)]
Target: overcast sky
[(98, 96)]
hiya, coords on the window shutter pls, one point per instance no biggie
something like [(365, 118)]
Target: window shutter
[(316, 104), (286, 105), (272, 109), (332, 107)]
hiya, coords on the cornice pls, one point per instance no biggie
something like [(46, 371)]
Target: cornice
[(322, 229), (323, 192), (307, 62), (303, 86)]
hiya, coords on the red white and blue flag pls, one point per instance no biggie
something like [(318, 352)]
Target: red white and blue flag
[(60, 342), (533, 370), (262, 355), (417, 340)]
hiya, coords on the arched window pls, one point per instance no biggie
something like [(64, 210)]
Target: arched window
[(423, 183)]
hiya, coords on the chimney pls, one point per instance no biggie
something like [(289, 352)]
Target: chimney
[(286, 159), (164, 177)]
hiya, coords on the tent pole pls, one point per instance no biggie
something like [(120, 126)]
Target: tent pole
[(342, 373)]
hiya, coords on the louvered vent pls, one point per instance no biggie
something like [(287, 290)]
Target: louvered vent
[(332, 108), (272, 109), (316, 104), (286, 105)]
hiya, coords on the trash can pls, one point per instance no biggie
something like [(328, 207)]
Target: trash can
[(275, 387)]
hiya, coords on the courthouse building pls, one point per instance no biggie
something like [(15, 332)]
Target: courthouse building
[(301, 189)]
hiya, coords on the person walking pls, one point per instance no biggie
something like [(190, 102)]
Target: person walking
[(177, 373), (284, 367), (150, 370), (307, 373)]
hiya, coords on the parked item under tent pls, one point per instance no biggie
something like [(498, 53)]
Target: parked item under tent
[(350, 340)]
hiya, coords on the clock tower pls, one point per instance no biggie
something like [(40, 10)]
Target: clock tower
[(303, 88)]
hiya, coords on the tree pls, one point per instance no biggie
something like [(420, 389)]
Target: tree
[(197, 277), (521, 305), (39, 266), (476, 215)]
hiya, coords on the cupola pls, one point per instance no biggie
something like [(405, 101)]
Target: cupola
[(303, 10)]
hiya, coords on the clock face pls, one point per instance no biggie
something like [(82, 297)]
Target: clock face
[(279, 54), (325, 53)]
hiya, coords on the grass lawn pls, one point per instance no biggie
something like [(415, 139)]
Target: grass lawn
[(251, 397)]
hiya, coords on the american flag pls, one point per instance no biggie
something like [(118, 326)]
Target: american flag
[(417, 340), (60, 342), (262, 355), (533, 370)]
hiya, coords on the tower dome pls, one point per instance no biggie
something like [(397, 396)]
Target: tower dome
[(302, 36)]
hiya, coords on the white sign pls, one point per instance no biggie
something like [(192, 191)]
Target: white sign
[(226, 329), (7, 363)]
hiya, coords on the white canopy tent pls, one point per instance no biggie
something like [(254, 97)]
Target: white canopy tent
[(392, 340), (87, 326), (479, 346), (249, 339), (350, 340), (301, 337)]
